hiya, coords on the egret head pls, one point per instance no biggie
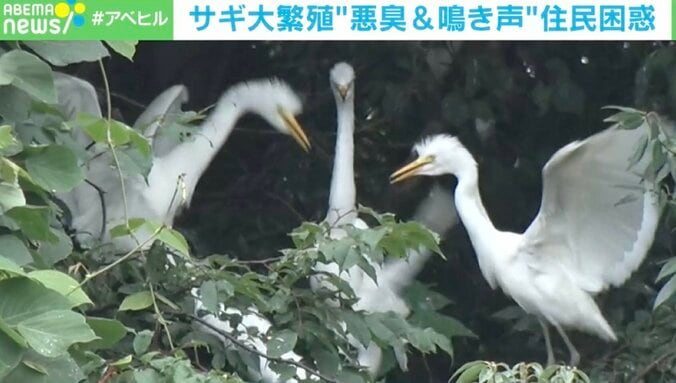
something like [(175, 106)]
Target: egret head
[(342, 81), (278, 104), (436, 155)]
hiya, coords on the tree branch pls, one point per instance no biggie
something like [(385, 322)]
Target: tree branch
[(245, 347)]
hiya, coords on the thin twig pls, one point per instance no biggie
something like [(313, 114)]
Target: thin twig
[(245, 347), (123, 258), (160, 318), (109, 141), (653, 365)]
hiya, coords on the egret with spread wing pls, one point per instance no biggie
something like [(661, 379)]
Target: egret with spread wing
[(597, 221), (180, 167)]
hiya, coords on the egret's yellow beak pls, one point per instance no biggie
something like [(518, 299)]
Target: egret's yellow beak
[(342, 90), (410, 169), (295, 129)]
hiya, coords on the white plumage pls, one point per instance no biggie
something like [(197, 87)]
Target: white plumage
[(273, 99), (595, 225), (394, 275)]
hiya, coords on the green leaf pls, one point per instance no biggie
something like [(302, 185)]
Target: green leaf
[(281, 342), (8, 266), (328, 361), (13, 336), (175, 240), (469, 372), (356, 326), (209, 296), (379, 330), (52, 332), (23, 298), (53, 252), (28, 73), (12, 248), (668, 269), (54, 167), (421, 339), (33, 222), (63, 284), (142, 341), (125, 48), (11, 196), (666, 292), (350, 376), (10, 354), (60, 370), (109, 331), (137, 301), (97, 129), (9, 145), (61, 53), (123, 362)]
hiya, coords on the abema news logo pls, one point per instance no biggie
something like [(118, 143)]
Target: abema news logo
[(25, 19)]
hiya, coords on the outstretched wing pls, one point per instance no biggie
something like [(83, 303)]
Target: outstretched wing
[(167, 103), (597, 219)]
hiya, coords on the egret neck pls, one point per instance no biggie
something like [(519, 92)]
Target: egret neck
[(479, 226), (343, 192)]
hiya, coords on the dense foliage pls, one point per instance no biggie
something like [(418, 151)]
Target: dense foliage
[(72, 311)]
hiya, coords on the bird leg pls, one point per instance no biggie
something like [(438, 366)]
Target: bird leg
[(548, 343), (574, 355)]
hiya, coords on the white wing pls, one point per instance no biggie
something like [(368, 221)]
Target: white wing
[(597, 220), (75, 95), (437, 212), (168, 102)]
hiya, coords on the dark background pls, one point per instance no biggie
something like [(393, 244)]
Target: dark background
[(540, 96)]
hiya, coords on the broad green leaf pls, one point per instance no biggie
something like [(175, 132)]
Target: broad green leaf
[(13, 336), (147, 375), (109, 331), (28, 73), (442, 324), (62, 369), (284, 370), (52, 332), (132, 226), (23, 298), (15, 104), (10, 354), (33, 222), (328, 361), (142, 341), (54, 167), (98, 128), (421, 340), (380, 330), (669, 268), (209, 296), (9, 266), (667, 291), (53, 252), (63, 284), (357, 327), (350, 376), (175, 240), (281, 342), (469, 373), (61, 53), (137, 301), (9, 145), (11, 196), (13, 248), (125, 48)]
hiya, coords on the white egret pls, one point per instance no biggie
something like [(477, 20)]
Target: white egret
[(394, 275), (157, 200), (589, 234), (273, 99)]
